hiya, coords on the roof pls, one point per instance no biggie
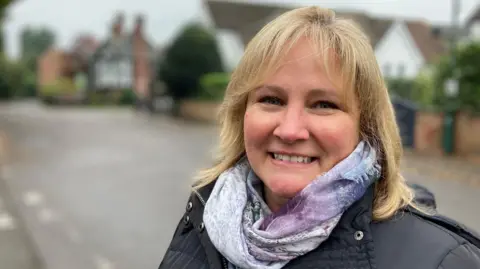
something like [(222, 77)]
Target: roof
[(118, 46), (235, 15), (475, 16), (240, 16), (430, 45), (375, 28)]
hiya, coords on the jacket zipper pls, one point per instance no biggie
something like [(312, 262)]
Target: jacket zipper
[(224, 261), (199, 197), (225, 265)]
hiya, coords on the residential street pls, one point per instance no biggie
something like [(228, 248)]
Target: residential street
[(104, 188)]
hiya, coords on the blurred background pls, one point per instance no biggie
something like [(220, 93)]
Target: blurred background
[(107, 109)]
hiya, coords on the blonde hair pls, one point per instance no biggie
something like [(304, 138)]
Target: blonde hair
[(357, 64)]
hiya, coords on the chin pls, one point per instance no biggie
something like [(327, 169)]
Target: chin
[(286, 186)]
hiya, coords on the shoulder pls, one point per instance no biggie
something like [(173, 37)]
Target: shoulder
[(415, 241), (190, 246), (185, 249)]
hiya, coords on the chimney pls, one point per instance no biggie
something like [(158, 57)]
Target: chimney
[(139, 22), (117, 26)]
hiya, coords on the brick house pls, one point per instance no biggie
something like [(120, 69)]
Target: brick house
[(55, 64), (124, 61), (52, 65)]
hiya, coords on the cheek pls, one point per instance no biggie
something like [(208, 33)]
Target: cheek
[(256, 128), (340, 135)]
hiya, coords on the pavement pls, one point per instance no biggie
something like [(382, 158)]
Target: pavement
[(17, 251), (104, 188)]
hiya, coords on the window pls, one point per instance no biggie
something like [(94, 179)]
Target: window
[(105, 74), (125, 73), (401, 70), (475, 30), (386, 69)]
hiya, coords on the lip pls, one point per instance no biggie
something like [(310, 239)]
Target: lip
[(290, 164), (291, 153)]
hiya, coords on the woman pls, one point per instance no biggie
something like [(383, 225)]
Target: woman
[(308, 172)]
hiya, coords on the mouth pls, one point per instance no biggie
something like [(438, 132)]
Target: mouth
[(294, 159)]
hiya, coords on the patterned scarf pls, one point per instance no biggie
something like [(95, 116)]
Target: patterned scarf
[(245, 231)]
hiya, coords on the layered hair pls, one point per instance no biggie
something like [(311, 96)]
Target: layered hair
[(340, 44)]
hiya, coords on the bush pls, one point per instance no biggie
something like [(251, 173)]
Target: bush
[(213, 85), (424, 90), (100, 98), (63, 87), (128, 97), (191, 55), (467, 72), (400, 87), (11, 78), (29, 85)]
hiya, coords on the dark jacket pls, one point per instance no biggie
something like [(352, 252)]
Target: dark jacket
[(406, 241)]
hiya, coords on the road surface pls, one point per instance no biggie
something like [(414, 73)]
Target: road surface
[(104, 188)]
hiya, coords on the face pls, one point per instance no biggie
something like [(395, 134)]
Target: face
[(295, 125)]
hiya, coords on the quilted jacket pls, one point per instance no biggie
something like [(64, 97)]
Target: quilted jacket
[(406, 241)]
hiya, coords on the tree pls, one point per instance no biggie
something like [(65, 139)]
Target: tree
[(34, 42), (11, 77), (467, 71), (424, 89), (193, 53), (401, 87)]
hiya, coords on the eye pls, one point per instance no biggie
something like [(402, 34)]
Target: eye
[(325, 105), (271, 100)]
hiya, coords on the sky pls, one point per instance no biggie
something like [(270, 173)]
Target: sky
[(68, 18)]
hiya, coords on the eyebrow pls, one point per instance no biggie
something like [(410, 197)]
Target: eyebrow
[(315, 91)]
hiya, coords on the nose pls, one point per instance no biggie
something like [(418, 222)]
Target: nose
[(292, 126)]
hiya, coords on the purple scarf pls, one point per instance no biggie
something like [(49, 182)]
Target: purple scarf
[(249, 235)]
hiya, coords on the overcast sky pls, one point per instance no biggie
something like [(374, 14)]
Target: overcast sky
[(164, 17)]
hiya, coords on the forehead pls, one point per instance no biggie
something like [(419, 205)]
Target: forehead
[(304, 66)]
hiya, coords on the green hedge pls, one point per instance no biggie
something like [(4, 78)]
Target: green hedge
[(123, 97), (213, 85), (60, 88)]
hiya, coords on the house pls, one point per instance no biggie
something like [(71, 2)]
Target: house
[(408, 47), (52, 65), (56, 64), (124, 60), (82, 49), (472, 24), (402, 47)]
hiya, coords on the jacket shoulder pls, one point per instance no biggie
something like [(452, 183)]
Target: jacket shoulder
[(185, 249), (413, 241)]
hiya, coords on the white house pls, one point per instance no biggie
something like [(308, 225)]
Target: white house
[(473, 25), (401, 47), (408, 47)]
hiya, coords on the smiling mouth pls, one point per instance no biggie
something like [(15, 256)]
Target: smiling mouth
[(292, 158)]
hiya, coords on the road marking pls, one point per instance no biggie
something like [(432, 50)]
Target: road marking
[(103, 263), (6, 222), (47, 215), (33, 198)]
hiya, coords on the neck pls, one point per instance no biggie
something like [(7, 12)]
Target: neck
[(273, 201)]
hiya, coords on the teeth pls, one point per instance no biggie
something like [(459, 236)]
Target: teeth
[(293, 159)]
